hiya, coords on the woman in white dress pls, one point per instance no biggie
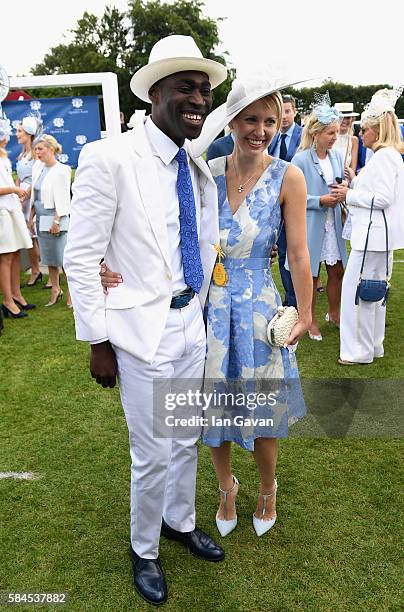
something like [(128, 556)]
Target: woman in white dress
[(347, 143), (14, 234), (26, 132)]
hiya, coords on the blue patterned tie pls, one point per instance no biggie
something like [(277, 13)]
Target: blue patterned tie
[(191, 257)]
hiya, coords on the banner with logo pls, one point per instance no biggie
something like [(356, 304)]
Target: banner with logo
[(72, 121)]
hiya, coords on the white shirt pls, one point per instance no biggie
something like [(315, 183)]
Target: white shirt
[(327, 170), (165, 150)]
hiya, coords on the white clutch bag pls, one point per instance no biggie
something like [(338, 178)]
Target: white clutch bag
[(45, 223), (281, 325)]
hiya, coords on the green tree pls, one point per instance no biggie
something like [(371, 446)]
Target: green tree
[(120, 42), (342, 92)]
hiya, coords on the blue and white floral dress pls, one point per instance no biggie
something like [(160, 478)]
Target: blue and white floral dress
[(239, 356)]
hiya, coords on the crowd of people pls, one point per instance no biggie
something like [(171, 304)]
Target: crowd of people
[(183, 241), (327, 152), (34, 212)]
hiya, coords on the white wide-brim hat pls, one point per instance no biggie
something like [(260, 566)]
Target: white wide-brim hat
[(346, 109), (170, 55), (242, 94), (30, 125)]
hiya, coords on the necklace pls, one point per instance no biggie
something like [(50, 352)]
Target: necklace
[(240, 186)]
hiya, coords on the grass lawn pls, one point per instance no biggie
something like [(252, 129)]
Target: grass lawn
[(335, 546)]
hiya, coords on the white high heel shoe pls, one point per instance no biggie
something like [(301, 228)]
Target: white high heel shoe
[(317, 337), (226, 526), (261, 526)]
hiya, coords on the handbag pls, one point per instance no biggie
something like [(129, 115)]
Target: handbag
[(373, 290), (46, 221), (281, 325)]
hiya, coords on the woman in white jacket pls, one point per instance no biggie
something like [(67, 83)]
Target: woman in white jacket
[(50, 199), (14, 234), (381, 181)]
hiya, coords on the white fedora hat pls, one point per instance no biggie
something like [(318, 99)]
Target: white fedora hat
[(346, 109), (242, 94), (170, 55)]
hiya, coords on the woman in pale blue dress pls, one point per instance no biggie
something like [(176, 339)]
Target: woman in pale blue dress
[(26, 132), (50, 199), (255, 192)]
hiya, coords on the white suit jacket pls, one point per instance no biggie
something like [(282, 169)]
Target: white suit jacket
[(118, 212), (55, 190), (382, 178)]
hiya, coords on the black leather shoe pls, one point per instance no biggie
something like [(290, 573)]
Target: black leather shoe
[(7, 313), (148, 579), (34, 282), (197, 541), (24, 306)]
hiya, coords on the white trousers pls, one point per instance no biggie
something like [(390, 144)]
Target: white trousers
[(362, 327), (163, 470)]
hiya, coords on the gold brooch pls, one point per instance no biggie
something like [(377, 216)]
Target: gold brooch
[(220, 276)]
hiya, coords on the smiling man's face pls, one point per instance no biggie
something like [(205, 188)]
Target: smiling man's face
[(180, 104)]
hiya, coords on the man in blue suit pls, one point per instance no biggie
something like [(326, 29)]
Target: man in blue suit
[(284, 146), (291, 132)]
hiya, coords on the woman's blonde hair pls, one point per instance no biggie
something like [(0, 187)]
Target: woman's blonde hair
[(388, 129), (273, 99), (312, 127), (50, 142)]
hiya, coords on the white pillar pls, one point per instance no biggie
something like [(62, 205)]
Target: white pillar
[(107, 80)]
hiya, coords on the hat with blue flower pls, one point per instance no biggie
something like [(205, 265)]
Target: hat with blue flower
[(323, 110)]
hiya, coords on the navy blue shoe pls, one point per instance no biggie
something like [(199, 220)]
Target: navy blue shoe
[(148, 579), (197, 541), (24, 306), (7, 313)]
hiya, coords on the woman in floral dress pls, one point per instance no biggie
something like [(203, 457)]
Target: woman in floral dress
[(256, 194)]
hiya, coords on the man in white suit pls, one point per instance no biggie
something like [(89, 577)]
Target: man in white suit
[(143, 203)]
